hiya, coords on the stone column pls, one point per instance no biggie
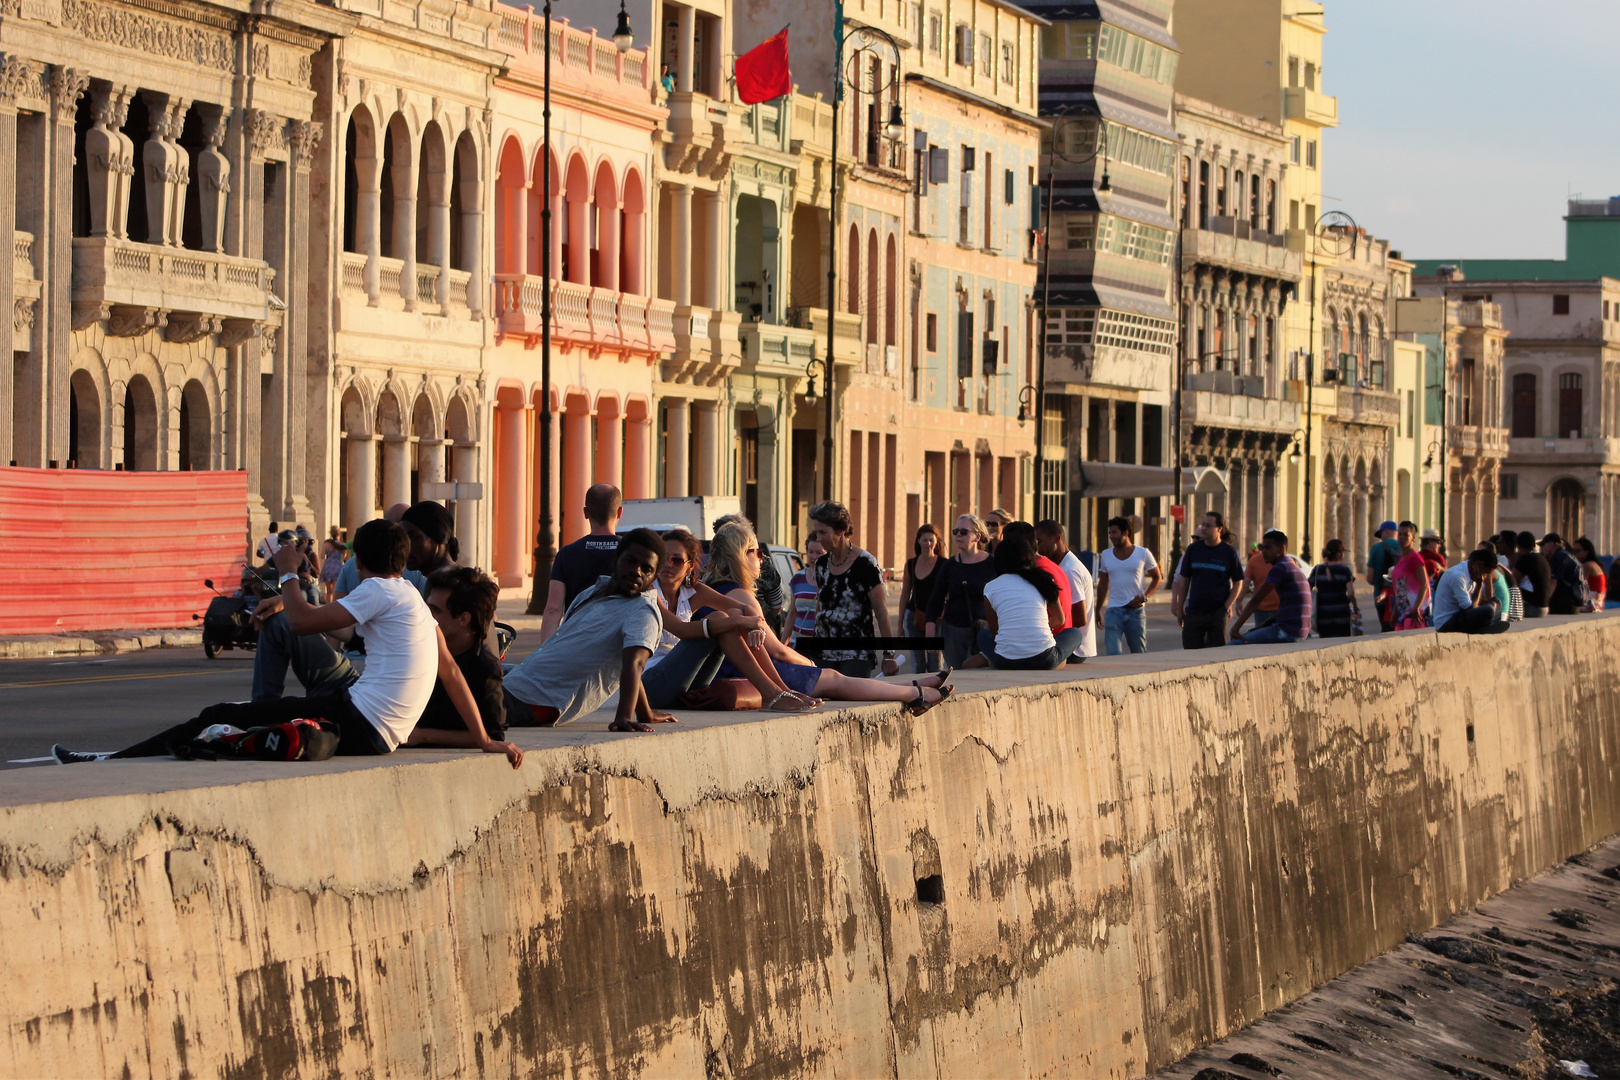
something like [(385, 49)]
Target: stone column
[(368, 214), (635, 458), (680, 254), (214, 176), (109, 162), (13, 74), (677, 434), (686, 35), (517, 228), (404, 239), (579, 240), (705, 473), (436, 187), (576, 475), (464, 469), (609, 445), (714, 276), (559, 217), (53, 333), (633, 246), (303, 139), (607, 246), (472, 242), (263, 231), (430, 461), (396, 469), (360, 478), (508, 517)]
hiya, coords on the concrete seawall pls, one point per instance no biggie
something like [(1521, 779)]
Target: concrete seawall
[(1078, 879)]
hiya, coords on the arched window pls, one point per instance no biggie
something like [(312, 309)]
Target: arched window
[(1569, 406), (140, 425), (872, 286), (853, 304), (511, 211), (889, 291), (194, 428)]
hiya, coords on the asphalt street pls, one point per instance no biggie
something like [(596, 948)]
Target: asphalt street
[(104, 703)]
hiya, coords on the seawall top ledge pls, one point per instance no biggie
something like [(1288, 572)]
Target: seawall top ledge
[(362, 824)]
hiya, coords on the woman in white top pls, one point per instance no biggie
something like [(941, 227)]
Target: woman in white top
[(677, 579), (1026, 617)]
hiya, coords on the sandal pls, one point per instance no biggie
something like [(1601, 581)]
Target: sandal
[(921, 705), (798, 702), (942, 674)]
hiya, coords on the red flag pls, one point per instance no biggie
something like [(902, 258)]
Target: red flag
[(762, 72)]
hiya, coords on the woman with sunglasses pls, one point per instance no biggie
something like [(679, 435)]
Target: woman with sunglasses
[(850, 598), (956, 607)]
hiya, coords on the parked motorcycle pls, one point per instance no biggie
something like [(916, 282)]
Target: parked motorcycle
[(228, 623)]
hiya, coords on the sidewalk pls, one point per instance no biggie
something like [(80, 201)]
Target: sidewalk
[(79, 642)]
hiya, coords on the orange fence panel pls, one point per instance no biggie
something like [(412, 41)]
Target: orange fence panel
[(85, 549)]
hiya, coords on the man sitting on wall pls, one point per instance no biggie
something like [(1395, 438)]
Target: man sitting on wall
[(378, 711), (462, 601)]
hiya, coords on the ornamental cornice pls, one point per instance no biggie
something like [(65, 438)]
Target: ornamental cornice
[(195, 44)]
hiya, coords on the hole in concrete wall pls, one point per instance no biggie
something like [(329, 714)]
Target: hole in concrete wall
[(1470, 732), (931, 889)]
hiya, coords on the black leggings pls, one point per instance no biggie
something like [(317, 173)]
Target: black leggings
[(356, 735)]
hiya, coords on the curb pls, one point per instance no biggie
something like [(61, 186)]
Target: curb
[(97, 641)]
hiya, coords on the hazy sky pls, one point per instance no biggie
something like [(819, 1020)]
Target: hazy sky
[(1464, 125)]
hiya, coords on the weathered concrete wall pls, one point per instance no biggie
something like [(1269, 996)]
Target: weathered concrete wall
[(1130, 867)]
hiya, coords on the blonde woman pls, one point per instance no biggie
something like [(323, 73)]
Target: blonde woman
[(956, 606), (734, 556)]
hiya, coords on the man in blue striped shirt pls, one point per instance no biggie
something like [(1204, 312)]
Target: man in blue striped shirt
[(1293, 622)]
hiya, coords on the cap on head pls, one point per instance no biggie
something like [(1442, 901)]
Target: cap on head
[(1431, 534), (1388, 526)]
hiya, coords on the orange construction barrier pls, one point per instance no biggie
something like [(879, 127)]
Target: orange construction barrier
[(94, 550)]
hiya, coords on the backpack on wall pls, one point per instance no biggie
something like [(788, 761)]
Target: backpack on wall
[(293, 740)]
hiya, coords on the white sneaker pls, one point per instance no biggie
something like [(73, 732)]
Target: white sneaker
[(64, 756)]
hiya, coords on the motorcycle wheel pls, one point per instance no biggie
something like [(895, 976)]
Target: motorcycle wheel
[(210, 648)]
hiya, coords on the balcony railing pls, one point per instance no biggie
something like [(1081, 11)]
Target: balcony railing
[(1310, 106), (577, 55), (139, 287), (23, 255), (580, 313), (1480, 313)]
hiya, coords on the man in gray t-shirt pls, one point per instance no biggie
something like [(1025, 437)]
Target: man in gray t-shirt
[(610, 632)]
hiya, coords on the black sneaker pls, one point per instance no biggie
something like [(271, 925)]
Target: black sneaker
[(64, 756)]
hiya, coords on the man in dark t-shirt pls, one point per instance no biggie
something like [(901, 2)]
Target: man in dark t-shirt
[(462, 601), (1209, 579), (1535, 576), (579, 564), (1567, 583)]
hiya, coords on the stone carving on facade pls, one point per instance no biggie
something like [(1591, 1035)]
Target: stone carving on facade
[(22, 316), (149, 34), (88, 313), (233, 332), (265, 131), (303, 139), (17, 78), (110, 156), (168, 169), (130, 320), (67, 86), (185, 327), (282, 65)]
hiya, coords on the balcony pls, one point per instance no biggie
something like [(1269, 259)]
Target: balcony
[(1310, 106), (1108, 365), (580, 60), (1221, 399), (1479, 313), (582, 316), (774, 349), (1472, 440), (1364, 405), (696, 123), (1593, 451), (1233, 245), (187, 294), (850, 349)]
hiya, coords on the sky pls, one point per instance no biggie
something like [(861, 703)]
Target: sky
[(1465, 126)]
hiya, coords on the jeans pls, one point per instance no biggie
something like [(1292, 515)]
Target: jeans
[(1476, 620), (356, 734), (1122, 628), (1203, 629), (913, 623), (1049, 659), (319, 667), (691, 665), (1270, 634), (960, 643)]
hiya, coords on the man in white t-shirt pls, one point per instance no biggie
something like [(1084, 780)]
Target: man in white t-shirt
[(1129, 576), (405, 653), (1051, 543), (267, 547)]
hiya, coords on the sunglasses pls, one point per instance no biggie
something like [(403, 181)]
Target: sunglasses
[(961, 532), (992, 525), (676, 560)]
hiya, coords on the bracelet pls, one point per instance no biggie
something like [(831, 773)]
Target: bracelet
[(705, 623)]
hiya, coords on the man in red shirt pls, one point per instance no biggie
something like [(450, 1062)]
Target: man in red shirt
[(1432, 558)]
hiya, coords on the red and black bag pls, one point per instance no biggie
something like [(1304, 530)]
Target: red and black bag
[(293, 740)]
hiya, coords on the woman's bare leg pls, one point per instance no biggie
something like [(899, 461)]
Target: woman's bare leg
[(745, 660), (841, 687)]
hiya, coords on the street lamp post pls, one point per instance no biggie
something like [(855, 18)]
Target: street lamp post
[(545, 541), (862, 40), (1337, 224)]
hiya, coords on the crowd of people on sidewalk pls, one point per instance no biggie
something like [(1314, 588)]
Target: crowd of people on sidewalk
[(665, 622)]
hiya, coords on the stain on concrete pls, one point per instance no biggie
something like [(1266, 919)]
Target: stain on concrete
[(1084, 879)]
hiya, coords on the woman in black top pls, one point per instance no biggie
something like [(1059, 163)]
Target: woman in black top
[(922, 570), (956, 605), (1333, 585), (850, 599)]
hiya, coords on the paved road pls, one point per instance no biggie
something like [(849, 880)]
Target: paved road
[(105, 703)]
